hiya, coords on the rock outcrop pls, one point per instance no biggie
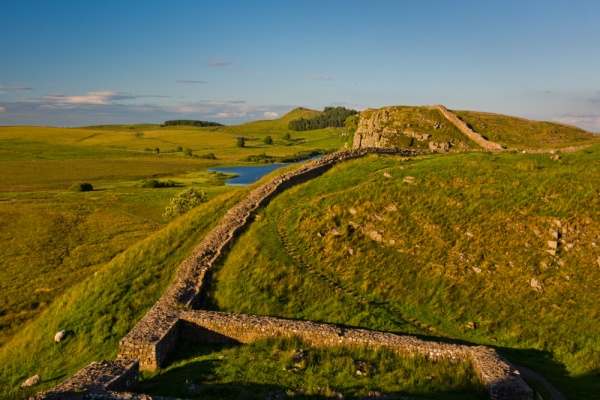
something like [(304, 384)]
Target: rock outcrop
[(434, 128)]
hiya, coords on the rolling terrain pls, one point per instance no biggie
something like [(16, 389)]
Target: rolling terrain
[(442, 243)]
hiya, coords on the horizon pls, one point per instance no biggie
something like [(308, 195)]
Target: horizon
[(98, 63)]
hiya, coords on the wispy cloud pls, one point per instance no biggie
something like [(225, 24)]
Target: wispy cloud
[(319, 78), (102, 97), (191, 81), (16, 88), (588, 121), (217, 64), (595, 99), (270, 114)]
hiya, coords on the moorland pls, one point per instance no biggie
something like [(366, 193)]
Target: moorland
[(455, 245)]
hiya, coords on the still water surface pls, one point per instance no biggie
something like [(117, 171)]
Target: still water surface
[(247, 175)]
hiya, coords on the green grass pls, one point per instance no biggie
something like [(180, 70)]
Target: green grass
[(469, 233), (291, 367), (101, 309), (513, 132)]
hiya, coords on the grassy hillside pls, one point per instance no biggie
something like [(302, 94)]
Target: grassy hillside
[(438, 245), (519, 133), (52, 238), (101, 309)]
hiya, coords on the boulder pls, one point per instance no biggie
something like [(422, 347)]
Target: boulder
[(32, 381)]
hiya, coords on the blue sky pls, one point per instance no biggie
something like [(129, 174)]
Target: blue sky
[(74, 63)]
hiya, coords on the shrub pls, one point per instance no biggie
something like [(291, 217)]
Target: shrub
[(82, 187), (187, 152), (240, 142), (286, 136), (209, 156), (183, 202), (153, 183), (268, 140)]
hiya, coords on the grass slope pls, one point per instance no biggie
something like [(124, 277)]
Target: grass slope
[(446, 240), (275, 367), (513, 132), (101, 309)]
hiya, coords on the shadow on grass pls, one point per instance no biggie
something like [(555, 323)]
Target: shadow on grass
[(198, 378)]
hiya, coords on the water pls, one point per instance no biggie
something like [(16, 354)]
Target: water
[(247, 175)]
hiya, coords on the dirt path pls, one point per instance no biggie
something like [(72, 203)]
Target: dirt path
[(531, 374)]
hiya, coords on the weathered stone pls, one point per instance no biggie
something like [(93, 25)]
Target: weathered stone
[(391, 208), (32, 381), (387, 175), (534, 283), (409, 179), (553, 244), (352, 210)]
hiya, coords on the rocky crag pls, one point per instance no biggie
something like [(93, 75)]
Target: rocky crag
[(175, 316), (426, 128)]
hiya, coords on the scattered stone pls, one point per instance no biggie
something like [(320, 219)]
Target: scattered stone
[(554, 232), (334, 232), (557, 223), (553, 244), (387, 175), (379, 217), (376, 236), (535, 284), (568, 277), (409, 179), (439, 146), (391, 208), (470, 325), (551, 252), (392, 241), (353, 224), (537, 232), (469, 234), (359, 372), (477, 270), (555, 157), (352, 211), (32, 381)]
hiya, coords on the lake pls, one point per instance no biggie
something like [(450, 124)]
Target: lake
[(247, 175)]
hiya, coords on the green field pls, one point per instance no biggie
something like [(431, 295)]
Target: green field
[(468, 234), (448, 241)]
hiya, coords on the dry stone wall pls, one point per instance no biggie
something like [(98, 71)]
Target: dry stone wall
[(173, 318), (464, 128)]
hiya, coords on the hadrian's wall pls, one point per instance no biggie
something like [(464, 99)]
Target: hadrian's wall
[(464, 128), (149, 344)]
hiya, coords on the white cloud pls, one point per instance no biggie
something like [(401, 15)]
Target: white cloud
[(270, 114), (102, 97), (587, 121), (2, 109)]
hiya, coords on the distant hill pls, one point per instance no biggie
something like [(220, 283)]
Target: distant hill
[(428, 128)]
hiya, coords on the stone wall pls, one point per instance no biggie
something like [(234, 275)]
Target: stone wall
[(152, 339), (464, 128), (172, 319)]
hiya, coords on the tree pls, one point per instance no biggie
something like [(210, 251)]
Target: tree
[(183, 202), (268, 140), (187, 152), (157, 150), (286, 136), (82, 187), (240, 142)]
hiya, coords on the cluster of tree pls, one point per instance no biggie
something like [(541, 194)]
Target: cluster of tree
[(301, 155), (190, 122), (330, 117), (153, 183)]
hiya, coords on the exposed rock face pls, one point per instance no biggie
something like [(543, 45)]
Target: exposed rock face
[(434, 128)]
